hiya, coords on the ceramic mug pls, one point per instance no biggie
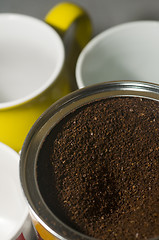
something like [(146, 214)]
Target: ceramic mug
[(33, 73), (15, 222), (128, 51)]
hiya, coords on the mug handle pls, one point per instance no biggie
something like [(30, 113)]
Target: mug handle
[(61, 17), (64, 14)]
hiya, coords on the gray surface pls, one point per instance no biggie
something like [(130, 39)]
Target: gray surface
[(104, 13)]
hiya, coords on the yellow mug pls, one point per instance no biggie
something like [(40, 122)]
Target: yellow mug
[(33, 66)]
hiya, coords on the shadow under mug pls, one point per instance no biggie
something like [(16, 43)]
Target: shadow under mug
[(129, 51), (33, 66)]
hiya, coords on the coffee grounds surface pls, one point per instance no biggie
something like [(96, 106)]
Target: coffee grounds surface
[(98, 169)]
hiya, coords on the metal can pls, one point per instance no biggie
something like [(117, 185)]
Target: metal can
[(48, 226)]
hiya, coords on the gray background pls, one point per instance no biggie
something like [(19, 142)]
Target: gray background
[(104, 13)]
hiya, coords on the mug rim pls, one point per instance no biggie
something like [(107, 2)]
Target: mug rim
[(54, 74), (104, 34)]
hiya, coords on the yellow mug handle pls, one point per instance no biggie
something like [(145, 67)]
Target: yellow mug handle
[(64, 14)]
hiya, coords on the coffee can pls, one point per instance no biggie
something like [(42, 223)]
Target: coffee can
[(47, 224)]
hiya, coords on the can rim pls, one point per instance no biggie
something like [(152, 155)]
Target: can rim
[(43, 126)]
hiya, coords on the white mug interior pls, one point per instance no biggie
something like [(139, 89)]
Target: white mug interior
[(31, 57), (128, 51), (13, 207)]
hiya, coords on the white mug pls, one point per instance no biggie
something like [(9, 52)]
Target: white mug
[(34, 70), (129, 51), (15, 222)]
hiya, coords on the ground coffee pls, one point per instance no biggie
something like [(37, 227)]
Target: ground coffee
[(98, 170)]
